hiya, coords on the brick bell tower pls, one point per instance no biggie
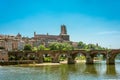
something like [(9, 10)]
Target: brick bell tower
[(63, 33)]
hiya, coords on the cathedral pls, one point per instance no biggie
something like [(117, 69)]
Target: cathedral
[(9, 42), (45, 39)]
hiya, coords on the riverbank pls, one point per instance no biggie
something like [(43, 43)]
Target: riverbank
[(49, 64), (33, 63), (52, 64), (77, 61), (37, 65)]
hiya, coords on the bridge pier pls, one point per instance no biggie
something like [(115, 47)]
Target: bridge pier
[(89, 59), (40, 58), (110, 59), (71, 59), (55, 58)]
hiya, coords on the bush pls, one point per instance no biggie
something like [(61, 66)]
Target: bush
[(12, 58), (28, 47), (47, 59)]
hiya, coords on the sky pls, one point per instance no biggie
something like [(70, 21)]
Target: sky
[(90, 21)]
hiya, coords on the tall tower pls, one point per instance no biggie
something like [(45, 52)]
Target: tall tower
[(63, 30), (34, 34), (19, 36), (63, 33)]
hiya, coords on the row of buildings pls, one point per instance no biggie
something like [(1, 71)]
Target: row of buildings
[(9, 42)]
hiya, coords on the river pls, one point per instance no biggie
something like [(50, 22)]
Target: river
[(78, 71)]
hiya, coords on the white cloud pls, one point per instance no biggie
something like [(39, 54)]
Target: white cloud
[(108, 32)]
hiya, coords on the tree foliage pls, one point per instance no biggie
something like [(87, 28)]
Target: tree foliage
[(67, 46), (60, 46), (41, 47), (82, 45), (28, 47), (34, 49)]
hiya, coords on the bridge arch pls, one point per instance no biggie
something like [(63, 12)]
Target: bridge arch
[(30, 56), (80, 56), (92, 53), (44, 55), (63, 56), (73, 55), (96, 54), (47, 57), (117, 57), (112, 55)]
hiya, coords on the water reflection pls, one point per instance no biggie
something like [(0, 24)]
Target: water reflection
[(111, 70), (90, 69), (72, 68), (64, 72), (70, 71)]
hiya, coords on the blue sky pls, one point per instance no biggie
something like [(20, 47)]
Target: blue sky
[(90, 21)]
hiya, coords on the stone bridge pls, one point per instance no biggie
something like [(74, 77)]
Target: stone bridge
[(71, 55)]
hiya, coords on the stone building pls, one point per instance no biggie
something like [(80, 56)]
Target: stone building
[(3, 55), (45, 39)]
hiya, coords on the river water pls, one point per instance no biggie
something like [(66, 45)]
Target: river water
[(78, 71)]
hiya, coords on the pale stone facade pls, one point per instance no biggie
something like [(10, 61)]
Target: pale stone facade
[(21, 45), (3, 55)]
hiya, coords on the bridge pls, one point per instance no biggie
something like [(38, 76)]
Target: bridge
[(71, 55)]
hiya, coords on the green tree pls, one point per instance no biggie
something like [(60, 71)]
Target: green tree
[(28, 47), (34, 49), (55, 46), (60, 46), (67, 46), (81, 45), (91, 46), (41, 47)]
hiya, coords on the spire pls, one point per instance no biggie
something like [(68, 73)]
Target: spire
[(34, 33), (18, 35), (63, 30)]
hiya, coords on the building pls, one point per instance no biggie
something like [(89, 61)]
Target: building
[(3, 55), (45, 39), (9, 42)]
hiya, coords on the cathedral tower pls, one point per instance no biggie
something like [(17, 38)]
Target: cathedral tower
[(63, 33), (63, 30)]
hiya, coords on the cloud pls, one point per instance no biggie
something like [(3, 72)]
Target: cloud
[(108, 32)]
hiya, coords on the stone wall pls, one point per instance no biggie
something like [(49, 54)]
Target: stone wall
[(3, 55)]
